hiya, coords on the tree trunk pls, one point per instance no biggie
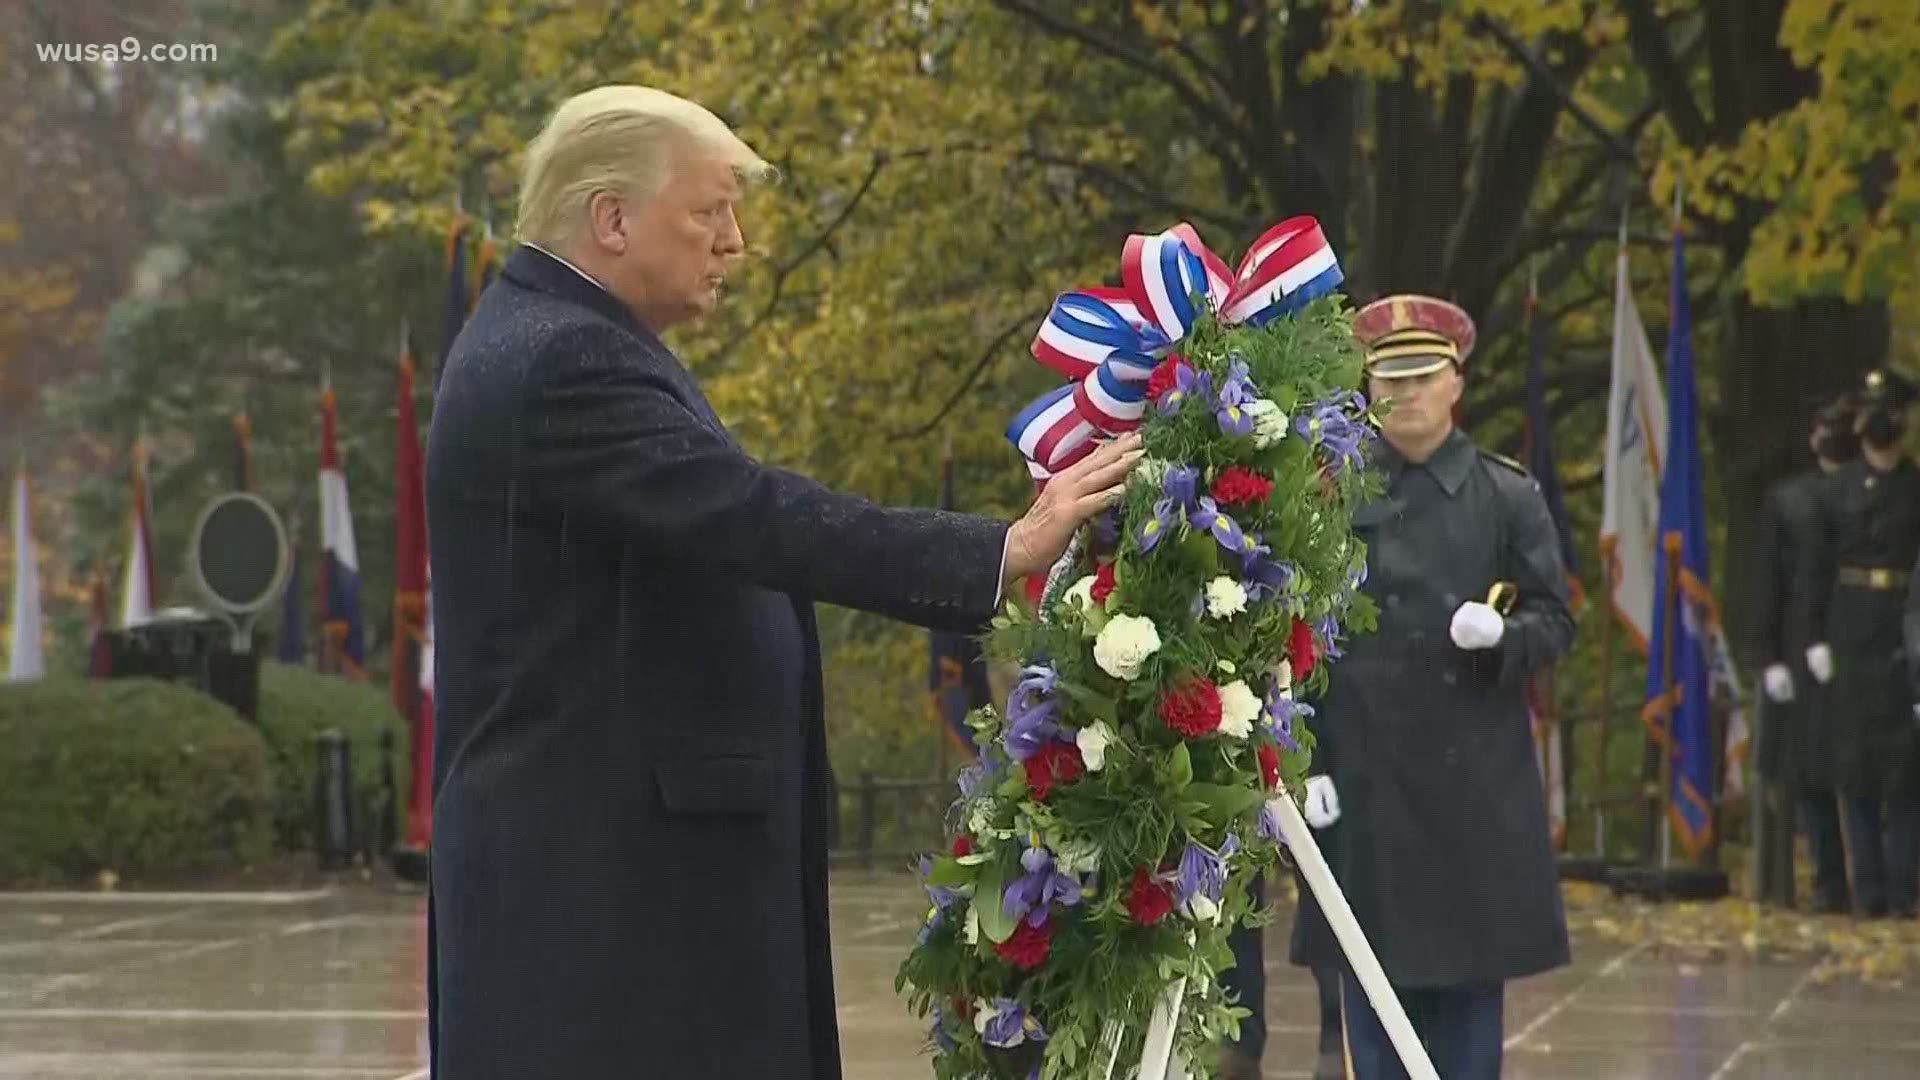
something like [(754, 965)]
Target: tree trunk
[(1778, 365)]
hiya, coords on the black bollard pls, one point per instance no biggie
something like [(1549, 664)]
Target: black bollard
[(387, 813), (333, 800)]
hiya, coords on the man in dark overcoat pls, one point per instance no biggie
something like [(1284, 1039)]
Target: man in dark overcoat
[(630, 783), (1432, 808), (1796, 752), (1868, 545)]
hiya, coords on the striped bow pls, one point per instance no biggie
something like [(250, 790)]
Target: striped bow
[(1107, 341)]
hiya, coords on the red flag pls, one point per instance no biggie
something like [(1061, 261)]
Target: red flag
[(410, 602), (100, 663)]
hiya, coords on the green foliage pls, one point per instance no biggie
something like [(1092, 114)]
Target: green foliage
[(296, 705), (138, 777), (1154, 798)]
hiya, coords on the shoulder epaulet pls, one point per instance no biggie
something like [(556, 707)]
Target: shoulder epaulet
[(1502, 459)]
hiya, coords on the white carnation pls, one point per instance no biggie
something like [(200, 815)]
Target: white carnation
[(1093, 742), (1225, 597), (1201, 909), (1239, 708), (1269, 423), (1124, 644), (1080, 592)]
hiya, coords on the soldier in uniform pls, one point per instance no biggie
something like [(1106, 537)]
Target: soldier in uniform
[(1869, 541), (1425, 788), (1795, 752)]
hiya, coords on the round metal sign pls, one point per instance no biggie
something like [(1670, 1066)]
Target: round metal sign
[(238, 556)]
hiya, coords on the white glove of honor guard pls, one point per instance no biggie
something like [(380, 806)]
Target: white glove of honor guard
[(1323, 803), (1820, 662), (1778, 682), (1477, 626)]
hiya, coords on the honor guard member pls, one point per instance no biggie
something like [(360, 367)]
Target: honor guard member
[(1425, 784), (1796, 757), (1869, 543)]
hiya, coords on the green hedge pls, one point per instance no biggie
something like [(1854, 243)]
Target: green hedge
[(296, 705), (135, 776)]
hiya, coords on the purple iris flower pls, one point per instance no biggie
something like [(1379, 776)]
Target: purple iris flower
[(1281, 712), (1332, 426), (941, 895), (1224, 529), (1187, 383), (1157, 527), (1042, 884), (1328, 630), (1106, 530), (1269, 827), (976, 777), (1030, 710), (1203, 872), (1261, 576), (1182, 485), (939, 1032), (1011, 1025), (1235, 394)]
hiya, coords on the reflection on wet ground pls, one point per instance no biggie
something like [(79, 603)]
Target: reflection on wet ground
[(328, 984)]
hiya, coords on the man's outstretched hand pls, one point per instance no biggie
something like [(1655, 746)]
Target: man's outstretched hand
[(1076, 493)]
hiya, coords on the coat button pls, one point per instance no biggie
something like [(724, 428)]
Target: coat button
[(1449, 678), (1393, 599)]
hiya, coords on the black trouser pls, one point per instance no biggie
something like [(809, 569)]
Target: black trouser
[(1882, 834), (1820, 816), (1460, 1026), (1248, 977)]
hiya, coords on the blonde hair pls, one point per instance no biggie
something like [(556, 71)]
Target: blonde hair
[(620, 139)]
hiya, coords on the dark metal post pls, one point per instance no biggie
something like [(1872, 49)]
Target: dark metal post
[(869, 809), (333, 799)]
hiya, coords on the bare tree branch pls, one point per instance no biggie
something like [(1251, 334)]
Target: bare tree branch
[(1648, 37), (1024, 319), (1190, 94), (814, 247)]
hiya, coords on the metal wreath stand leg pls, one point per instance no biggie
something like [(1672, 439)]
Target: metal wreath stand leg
[(1159, 1060)]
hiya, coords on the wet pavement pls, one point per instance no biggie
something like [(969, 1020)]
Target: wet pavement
[(328, 984)]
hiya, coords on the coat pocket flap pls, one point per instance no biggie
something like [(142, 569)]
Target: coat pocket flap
[(735, 784)]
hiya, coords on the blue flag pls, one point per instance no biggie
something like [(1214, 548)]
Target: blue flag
[(1679, 668), (291, 648)]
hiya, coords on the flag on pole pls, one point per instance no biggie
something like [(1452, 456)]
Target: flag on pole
[(1679, 668), (420, 804), (956, 672), (136, 581), (25, 661), (410, 597), (1636, 445), (344, 643), (486, 266)]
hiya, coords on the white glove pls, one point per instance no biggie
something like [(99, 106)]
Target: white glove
[(1778, 682), (1916, 712), (1477, 626), (1820, 662), (1323, 803)]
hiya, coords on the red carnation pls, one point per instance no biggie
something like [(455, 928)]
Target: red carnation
[(1148, 901), (1103, 583), (1300, 655), (1192, 710), (1036, 587), (1056, 763), (1164, 378), (1027, 948), (962, 845), (1237, 485), (1269, 764)]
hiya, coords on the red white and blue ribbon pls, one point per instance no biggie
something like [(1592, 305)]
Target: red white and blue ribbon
[(1107, 341)]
